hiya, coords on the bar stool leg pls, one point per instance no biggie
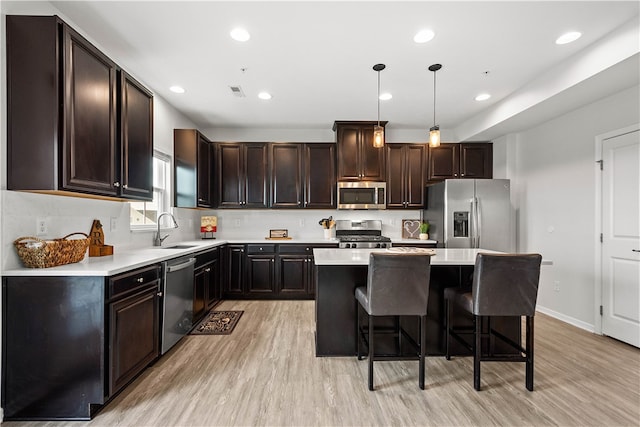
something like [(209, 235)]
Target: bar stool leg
[(358, 331), (447, 322), (371, 339), (477, 352), (423, 349), (529, 348)]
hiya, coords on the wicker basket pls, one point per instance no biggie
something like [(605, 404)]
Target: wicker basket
[(38, 253)]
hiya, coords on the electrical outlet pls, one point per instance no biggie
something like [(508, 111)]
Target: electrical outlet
[(114, 224), (556, 285), (41, 227)]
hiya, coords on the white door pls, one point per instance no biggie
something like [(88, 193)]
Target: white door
[(621, 237)]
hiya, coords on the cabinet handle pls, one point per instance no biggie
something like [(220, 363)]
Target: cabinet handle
[(461, 174), (455, 174), (207, 270), (159, 294), (273, 261), (116, 184), (125, 186), (200, 200), (307, 248), (140, 280)]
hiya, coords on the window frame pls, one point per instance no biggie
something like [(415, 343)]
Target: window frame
[(165, 192)]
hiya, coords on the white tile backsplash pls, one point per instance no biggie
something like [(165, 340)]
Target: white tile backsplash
[(64, 215)]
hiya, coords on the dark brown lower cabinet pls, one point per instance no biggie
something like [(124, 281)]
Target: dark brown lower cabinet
[(53, 347), (234, 271), (70, 343), (261, 270), (134, 322), (293, 275), (270, 271), (213, 285), (206, 281), (199, 285)]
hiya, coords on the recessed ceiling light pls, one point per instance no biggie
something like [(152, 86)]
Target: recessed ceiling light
[(568, 37), (264, 95), (385, 96), (240, 34), (483, 97), (423, 36), (176, 89)]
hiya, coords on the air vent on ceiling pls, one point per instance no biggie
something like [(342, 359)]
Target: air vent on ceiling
[(237, 91)]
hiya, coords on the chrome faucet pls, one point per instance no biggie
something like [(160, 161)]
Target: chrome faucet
[(157, 240)]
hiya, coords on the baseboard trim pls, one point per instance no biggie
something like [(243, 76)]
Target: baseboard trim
[(567, 319)]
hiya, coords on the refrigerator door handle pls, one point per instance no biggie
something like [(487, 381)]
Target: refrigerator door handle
[(478, 220), (473, 224)]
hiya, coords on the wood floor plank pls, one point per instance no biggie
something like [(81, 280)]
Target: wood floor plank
[(266, 374)]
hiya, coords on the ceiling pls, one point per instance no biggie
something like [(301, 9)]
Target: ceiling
[(316, 58)]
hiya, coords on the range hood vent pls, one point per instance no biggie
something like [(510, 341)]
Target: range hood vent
[(237, 91)]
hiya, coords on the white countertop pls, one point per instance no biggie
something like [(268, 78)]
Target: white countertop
[(121, 261), (130, 258), (361, 256)]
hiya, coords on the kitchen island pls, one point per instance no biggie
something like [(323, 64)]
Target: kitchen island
[(340, 271)]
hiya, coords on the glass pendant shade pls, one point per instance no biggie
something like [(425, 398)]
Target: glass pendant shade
[(434, 131), (378, 131), (434, 136), (378, 136)]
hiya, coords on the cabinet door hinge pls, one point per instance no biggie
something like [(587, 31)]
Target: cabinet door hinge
[(601, 163), (600, 310)]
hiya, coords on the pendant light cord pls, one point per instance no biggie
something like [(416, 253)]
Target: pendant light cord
[(434, 98), (378, 98)]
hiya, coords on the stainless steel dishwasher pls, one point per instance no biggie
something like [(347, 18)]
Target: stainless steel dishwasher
[(177, 307)]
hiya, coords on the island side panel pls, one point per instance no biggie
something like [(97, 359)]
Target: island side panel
[(336, 308)]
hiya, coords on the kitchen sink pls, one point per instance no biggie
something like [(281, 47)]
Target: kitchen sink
[(179, 247)]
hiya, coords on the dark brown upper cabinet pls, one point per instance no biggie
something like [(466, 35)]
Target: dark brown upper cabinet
[(136, 107), (242, 171), (358, 159), (194, 166), (463, 160), (286, 175), (406, 175), (320, 176), (303, 175), (63, 115)]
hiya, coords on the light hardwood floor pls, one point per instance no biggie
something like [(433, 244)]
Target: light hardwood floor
[(265, 373)]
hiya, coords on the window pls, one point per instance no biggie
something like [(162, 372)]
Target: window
[(145, 214)]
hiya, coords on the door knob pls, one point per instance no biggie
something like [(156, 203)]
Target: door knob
[(635, 250)]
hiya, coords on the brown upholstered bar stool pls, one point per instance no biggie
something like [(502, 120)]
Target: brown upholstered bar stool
[(397, 285), (503, 285)]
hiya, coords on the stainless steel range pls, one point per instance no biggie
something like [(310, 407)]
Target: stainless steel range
[(361, 234)]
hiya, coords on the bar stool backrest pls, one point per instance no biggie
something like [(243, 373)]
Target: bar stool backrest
[(506, 284), (398, 284)]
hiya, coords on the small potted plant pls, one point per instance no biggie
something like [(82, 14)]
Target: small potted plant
[(424, 229)]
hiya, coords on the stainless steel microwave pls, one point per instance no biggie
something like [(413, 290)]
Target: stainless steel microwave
[(362, 195)]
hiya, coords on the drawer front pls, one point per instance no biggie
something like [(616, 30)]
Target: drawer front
[(130, 281), (206, 257), (296, 249), (261, 249)]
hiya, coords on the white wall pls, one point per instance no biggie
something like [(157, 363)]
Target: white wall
[(554, 193)]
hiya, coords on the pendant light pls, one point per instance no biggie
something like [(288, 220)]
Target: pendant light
[(434, 131), (378, 131)]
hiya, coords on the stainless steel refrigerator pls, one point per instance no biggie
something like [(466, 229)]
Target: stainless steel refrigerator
[(471, 213)]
